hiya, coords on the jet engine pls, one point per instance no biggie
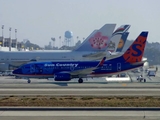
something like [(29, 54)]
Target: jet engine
[(62, 77)]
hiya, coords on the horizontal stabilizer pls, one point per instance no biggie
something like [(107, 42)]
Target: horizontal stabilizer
[(94, 55), (138, 63)]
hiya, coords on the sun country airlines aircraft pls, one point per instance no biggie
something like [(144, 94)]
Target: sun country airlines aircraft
[(65, 71), (95, 44)]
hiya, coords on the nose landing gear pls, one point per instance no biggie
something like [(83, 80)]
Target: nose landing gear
[(80, 80), (29, 81)]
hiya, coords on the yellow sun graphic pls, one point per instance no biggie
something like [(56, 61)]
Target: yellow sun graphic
[(121, 43)]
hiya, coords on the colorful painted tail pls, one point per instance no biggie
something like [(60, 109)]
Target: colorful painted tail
[(112, 44), (135, 52), (97, 41), (122, 42), (121, 29)]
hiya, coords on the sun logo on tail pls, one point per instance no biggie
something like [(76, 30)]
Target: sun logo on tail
[(120, 44), (136, 50), (98, 41)]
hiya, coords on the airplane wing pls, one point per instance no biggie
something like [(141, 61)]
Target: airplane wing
[(95, 54), (88, 70)]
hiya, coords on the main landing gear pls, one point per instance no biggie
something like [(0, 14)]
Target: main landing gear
[(80, 80), (29, 81)]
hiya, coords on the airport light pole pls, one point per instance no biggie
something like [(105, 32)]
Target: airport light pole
[(53, 39), (15, 33), (2, 29), (77, 40), (60, 41), (10, 38), (2, 36), (16, 37), (10, 32)]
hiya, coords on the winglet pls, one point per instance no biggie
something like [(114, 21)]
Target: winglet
[(101, 62)]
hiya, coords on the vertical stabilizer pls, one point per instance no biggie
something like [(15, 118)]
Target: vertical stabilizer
[(97, 41), (135, 52), (116, 37)]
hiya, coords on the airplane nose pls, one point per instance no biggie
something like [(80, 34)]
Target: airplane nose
[(17, 71)]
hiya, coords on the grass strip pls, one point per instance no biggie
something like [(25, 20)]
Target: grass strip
[(72, 101)]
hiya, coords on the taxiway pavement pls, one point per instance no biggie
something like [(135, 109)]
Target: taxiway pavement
[(93, 87), (81, 92), (79, 115)]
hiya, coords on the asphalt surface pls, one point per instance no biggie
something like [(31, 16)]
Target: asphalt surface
[(93, 87), (81, 92), (98, 87), (11, 82), (79, 115)]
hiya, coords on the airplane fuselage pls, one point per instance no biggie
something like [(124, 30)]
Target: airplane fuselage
[(21, 57), (14, 59), (49, 69)]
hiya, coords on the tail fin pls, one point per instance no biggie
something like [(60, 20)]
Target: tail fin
[(122, 42), (97, 40), (135, 52), (121, 29), (116, 37), (83, 43)]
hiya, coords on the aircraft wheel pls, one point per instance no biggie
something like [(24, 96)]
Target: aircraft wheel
[(80, 80), (29, 81)]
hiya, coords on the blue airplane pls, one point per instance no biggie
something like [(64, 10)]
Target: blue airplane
[(65, 71)]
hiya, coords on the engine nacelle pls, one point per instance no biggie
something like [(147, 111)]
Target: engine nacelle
[(62, 77)]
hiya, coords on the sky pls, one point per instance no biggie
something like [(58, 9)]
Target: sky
[(39, 20)]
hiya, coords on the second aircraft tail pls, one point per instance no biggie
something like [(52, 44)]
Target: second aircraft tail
[(97, 41), (122, 42)]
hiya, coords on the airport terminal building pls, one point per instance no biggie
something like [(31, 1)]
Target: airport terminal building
[(8, 44)]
